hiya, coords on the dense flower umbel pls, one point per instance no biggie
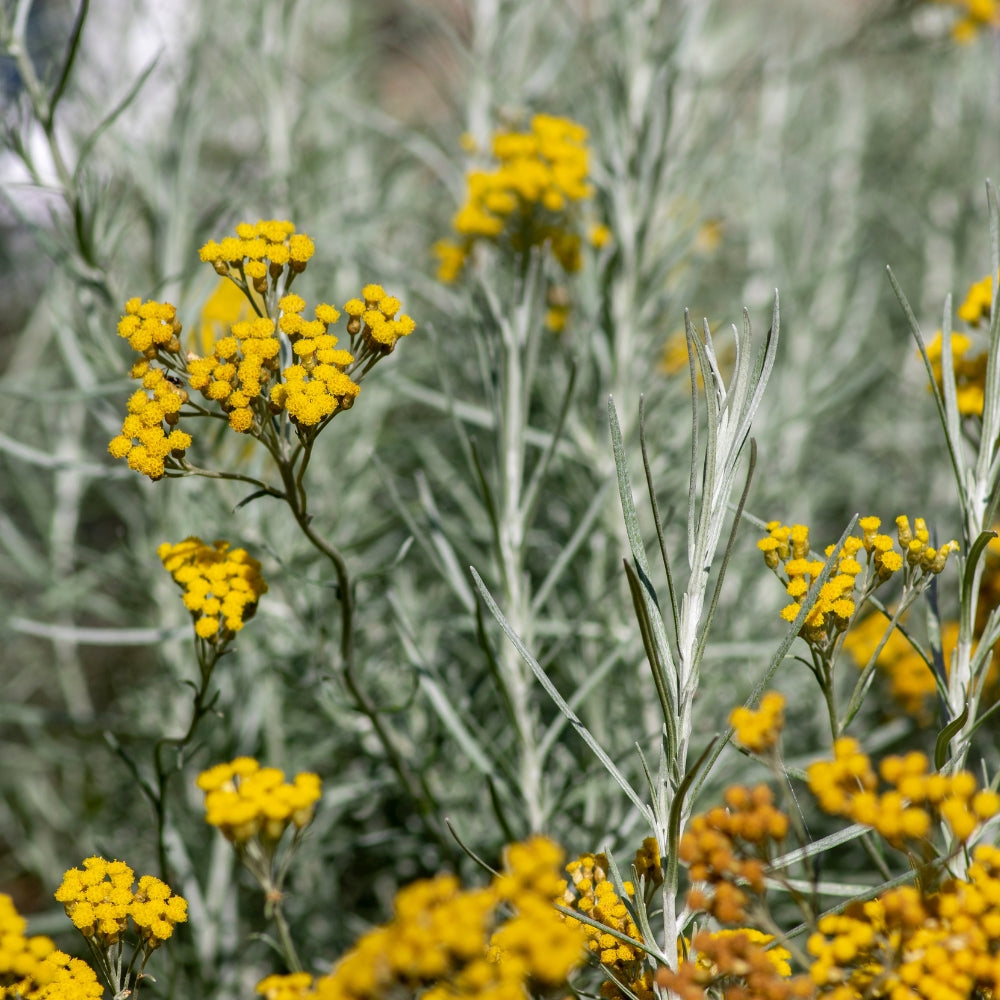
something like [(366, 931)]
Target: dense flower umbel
[(245, 800), (911, 681), (787, 552), (735, 965), (970, 372), (32, 968), (916, 803), (529, 198), (446, 943), (276, 365), (759, 730), (916, 946), (730, 845), (589, 891), (221, 585), (969, 368), (99, 900), (975, 15), (260, 252), (148, 439)]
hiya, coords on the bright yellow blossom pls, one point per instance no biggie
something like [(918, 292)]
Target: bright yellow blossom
[(245, 800), (221, 585), (759, 730), (446, 943), (32, 968), (99, 899)]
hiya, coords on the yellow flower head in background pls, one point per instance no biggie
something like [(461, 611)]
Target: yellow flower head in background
[(245, 800), (759, 730), (916, 803), (969, 368), (976, 15), (221, 585), (529, 197)]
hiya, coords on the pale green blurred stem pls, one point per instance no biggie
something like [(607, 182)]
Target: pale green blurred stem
[(276, 912), (516, 589), (480, 102)]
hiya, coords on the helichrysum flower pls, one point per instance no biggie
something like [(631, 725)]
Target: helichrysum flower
[(907, 943), (244, 373), (759, 730), (260, 250), (221, 585), (245, 800), (727, 848), (912, 807), (155, 910), (911, 682), (99, 899), (148, 439), (969, 368), (647, 862), (736, 963), (970, 372), (975, 15), (32, 968), (444, 942), (787, 552), (529, 198)]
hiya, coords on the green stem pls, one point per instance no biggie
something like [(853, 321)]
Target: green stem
[(275, 911), (207, 658), (416, 787)]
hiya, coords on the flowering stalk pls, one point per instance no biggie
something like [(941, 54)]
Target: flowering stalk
[(253, 807), (977, 478), (280, 379)]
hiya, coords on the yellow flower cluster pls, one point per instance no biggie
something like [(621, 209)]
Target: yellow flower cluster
[(920, 556), (727, 849), (970, 372), (648, 865), (978, 300), (148, 436), (759, 730), (786, 551), (32, 968), (259, 251), (221, 585), (970, 369), (735, 964), (239, 367), (99, 900), (241, 372), (975, 16), (780, 958), (911, 682), (245, 800), (527, 200), (446, 943), (908, 944), (906, 814), (591, 892)]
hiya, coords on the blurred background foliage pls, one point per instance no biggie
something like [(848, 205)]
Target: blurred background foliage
[(736, 146)]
